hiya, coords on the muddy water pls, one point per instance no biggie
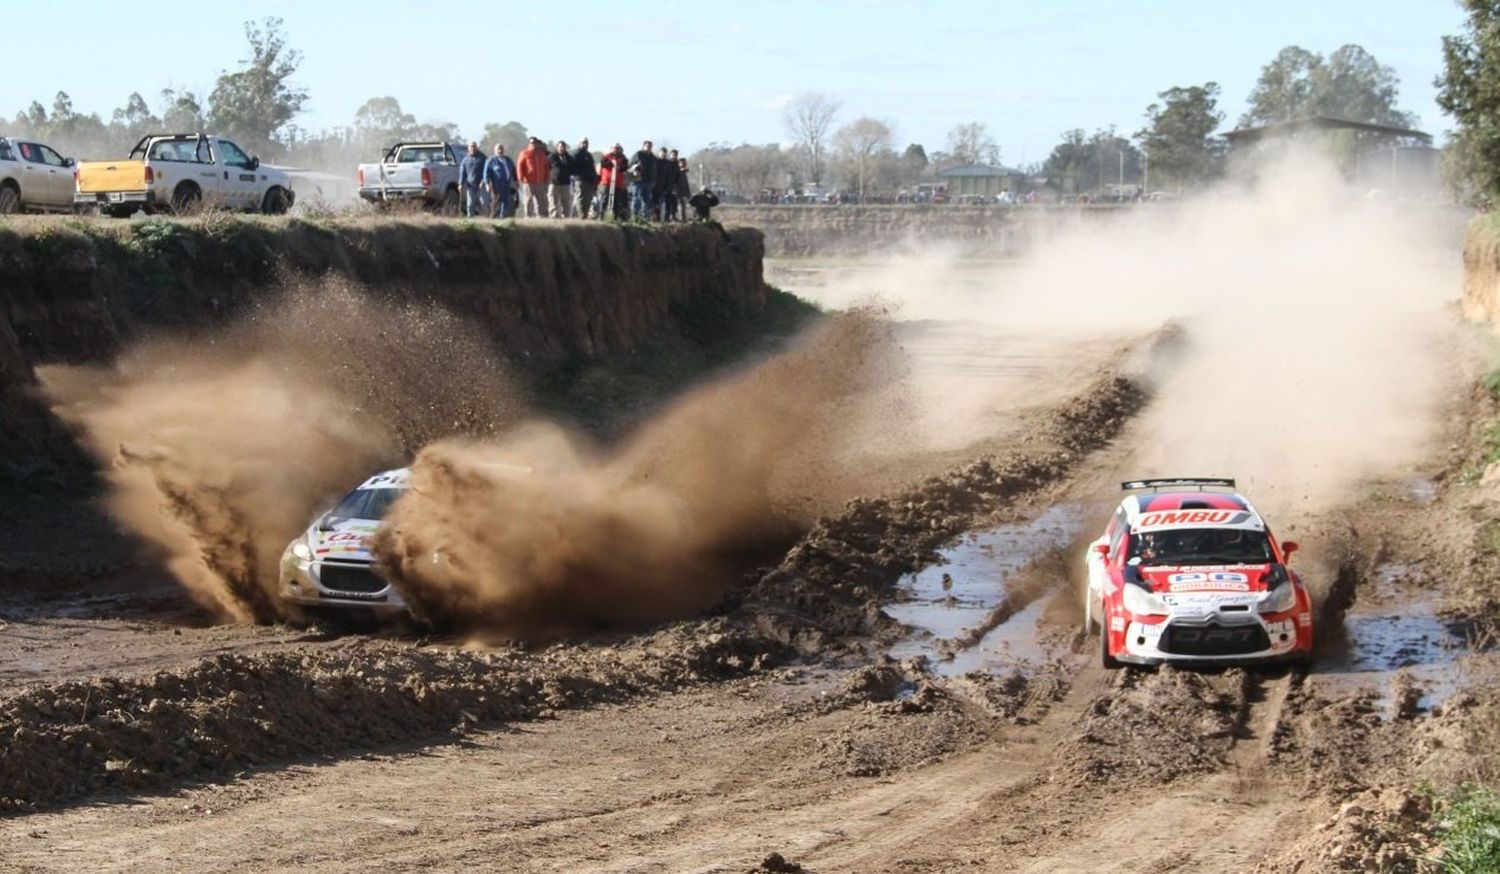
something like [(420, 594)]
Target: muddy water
[(1393, 637), (950, 604)]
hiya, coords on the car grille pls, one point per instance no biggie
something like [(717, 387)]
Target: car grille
[(1214, 640), (350, 578)]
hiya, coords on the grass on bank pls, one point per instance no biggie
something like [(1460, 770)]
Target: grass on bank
[(1468, 828)]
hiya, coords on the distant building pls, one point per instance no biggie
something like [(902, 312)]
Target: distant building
[(980, 180), (1395, 161)]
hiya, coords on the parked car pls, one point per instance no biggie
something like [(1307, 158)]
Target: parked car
[(34, 177), (425, 173), (1183, 574), (179, 173)]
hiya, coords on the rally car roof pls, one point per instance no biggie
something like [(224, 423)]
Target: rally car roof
[(1160, 510), (396, 478)]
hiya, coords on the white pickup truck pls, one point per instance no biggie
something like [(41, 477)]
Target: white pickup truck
[(425, 173), (181, 173), (34, 178)]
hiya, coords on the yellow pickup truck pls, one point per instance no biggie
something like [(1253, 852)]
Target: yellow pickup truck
[(181, 173)]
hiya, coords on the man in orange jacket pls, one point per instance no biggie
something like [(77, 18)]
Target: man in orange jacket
[(535, 172)]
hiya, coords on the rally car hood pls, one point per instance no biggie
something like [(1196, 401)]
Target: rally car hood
[(1207, 589), (344, 540), (1192, 579)]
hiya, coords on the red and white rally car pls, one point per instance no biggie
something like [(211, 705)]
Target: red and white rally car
[(1184, 574)]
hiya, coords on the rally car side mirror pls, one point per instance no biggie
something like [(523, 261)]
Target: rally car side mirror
[(1288, 547)]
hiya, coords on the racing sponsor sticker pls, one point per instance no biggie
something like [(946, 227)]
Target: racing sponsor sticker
[(1165, 518), (1223, 581)]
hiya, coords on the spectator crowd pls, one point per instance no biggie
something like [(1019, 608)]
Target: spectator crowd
[(568, 183)]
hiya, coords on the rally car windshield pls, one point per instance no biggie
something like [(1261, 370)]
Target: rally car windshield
[(365, 504), (1190, 546)]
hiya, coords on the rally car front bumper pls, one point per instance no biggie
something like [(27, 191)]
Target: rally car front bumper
[(322, 583), (1251, 639)]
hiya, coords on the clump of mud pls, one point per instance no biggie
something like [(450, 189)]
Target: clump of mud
[(221, 448), (1154, 728), (1380, 830)]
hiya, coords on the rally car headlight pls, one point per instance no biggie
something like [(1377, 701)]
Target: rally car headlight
[(301, 550), (1143, 603), (1279, 599)]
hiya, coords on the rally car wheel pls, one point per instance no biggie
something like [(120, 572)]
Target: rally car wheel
[(1109, 662)]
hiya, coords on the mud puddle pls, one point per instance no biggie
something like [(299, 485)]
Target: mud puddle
[(968, 612), (1392, 641)]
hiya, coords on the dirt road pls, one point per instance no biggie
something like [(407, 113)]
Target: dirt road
[(799, 720)]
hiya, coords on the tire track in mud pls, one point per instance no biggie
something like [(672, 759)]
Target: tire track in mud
[(78, 740)]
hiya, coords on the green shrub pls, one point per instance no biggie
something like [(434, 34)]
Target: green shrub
[(1470, 828)]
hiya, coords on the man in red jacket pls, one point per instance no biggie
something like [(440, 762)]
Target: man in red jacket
[(613, 181), (535, 173)]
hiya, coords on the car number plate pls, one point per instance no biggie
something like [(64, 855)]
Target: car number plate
[(116, 197)]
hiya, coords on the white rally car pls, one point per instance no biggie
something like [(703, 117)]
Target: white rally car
[(331, 565), (1184, 574)]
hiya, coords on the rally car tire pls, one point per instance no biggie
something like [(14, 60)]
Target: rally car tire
[(1109, 662)]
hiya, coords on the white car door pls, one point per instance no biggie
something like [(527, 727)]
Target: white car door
[(241, 182), (35, 187), (59, 192)]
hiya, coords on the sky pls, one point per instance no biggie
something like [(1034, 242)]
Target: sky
[(690, 72)]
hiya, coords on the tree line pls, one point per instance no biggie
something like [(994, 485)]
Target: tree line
[(1177, 147)]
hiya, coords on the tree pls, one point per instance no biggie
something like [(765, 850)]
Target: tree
[(181, 112), (1469, 90), (808, 119), (1284, 90), (256, 102), (859, 142), (133, 120), (1179, 140), (1083, 162), (1353, 85), (381, 120), (972, 144), (512, 135), (744, 169), (1349, 84)]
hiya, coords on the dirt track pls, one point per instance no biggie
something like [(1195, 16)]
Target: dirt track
[(777, 726)]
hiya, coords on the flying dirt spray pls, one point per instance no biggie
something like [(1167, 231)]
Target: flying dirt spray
[(537, 535), (1317, 341), (219, 448)]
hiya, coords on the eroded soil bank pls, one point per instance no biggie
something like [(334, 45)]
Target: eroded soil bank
[(548, 295)]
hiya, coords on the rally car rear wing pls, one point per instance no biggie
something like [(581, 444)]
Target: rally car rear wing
[(1198, 482)]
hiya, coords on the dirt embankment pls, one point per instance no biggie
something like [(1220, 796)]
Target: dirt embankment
[(1482, 271), (548, 296)]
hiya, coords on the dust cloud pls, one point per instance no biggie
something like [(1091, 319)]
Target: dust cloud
[(539, 534), (220, 447), (1318, 337)]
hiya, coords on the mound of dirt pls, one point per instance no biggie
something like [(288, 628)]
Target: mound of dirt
[(230, 712), (1387, 830)]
